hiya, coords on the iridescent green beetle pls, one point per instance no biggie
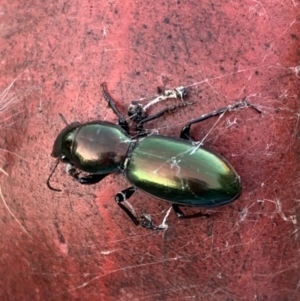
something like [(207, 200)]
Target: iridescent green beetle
[(177, 170)]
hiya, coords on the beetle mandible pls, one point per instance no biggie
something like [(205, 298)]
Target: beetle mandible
[(176, 170)]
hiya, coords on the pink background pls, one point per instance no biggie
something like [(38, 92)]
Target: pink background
[(78, 245)]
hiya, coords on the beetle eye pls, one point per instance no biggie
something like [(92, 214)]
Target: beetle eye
[(64, 159)]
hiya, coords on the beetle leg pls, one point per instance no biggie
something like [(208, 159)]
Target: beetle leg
[(122, 121), (140, 126), (185, 131), (178, 211), (180, 214), (122, 196), (137, 111), (146, 222), (86, 180), (125, 194), (143, 220), (90, 179)]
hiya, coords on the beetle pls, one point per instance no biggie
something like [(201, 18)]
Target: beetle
[(177, 170)]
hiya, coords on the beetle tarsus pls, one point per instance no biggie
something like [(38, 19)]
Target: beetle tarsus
[(146, 222)]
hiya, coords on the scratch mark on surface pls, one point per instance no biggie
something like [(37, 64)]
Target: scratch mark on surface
[(12, 214)]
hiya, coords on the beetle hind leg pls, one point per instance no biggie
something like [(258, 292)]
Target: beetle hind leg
[(180, 214)]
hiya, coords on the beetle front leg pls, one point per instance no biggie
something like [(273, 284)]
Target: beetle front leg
[(85, 180), (180, 214), (122, 121)]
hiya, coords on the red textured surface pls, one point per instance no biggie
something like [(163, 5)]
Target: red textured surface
[(81, 246)]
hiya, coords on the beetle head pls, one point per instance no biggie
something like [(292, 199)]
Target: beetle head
[(62, 148)]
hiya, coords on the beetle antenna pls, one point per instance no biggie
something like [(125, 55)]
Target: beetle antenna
[(48, 180), (63, 118)]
